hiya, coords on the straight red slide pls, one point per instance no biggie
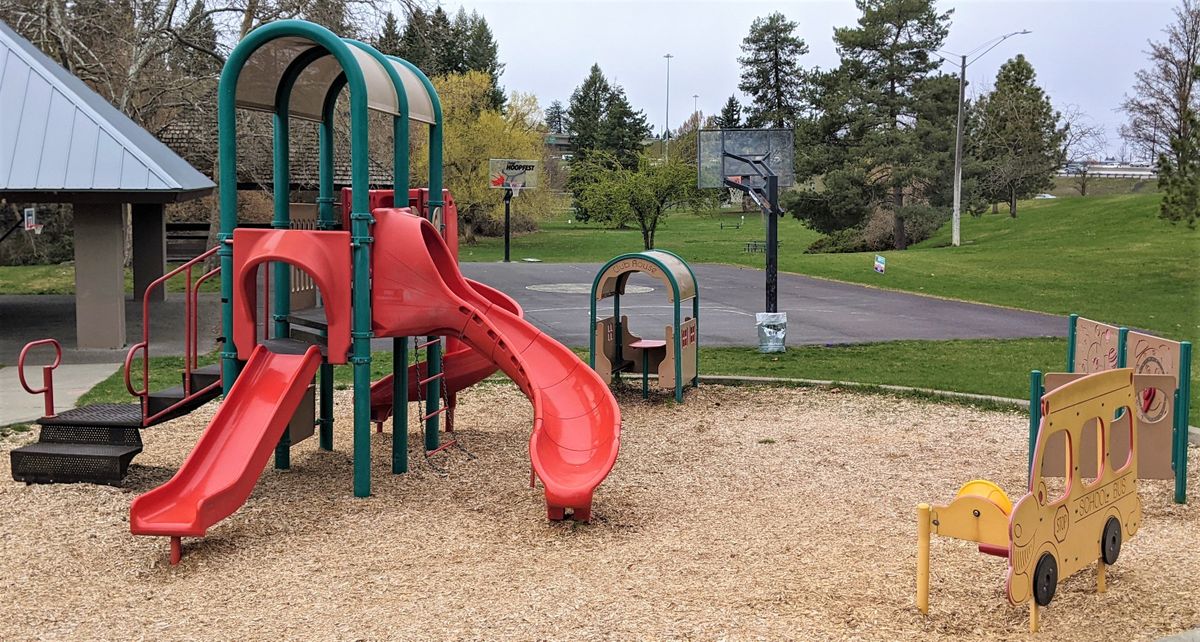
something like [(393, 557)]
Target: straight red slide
[(463, 366), (218, 475), (418, 290)]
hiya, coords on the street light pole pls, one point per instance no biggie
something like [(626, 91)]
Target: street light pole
[(956, 217), (696, 107), (958, 143), (667, 114)]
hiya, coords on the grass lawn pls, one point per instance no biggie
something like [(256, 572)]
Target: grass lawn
[(60, 279)]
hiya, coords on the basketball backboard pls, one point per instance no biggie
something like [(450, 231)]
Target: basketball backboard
[(774, 147), (516, 175)]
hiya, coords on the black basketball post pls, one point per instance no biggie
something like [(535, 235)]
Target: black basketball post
[(772, 243), (508, 194)]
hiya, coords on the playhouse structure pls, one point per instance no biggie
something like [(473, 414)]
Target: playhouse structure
[(614, 350)]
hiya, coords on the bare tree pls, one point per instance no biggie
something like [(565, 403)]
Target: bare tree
[(1165, 91), (1083, 139)]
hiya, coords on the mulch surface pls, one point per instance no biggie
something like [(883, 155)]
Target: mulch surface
[(744, 513)]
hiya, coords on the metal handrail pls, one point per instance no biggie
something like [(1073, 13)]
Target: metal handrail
[(47, 388), (191, 339)]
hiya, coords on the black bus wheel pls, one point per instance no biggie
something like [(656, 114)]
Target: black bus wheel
[(1110, 544), (1045, 579)]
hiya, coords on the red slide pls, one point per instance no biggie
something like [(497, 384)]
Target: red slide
[(576, 420), (463, 366), (218, 475)]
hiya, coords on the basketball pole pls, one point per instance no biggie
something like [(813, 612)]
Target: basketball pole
[(508, 194), (772, 243)]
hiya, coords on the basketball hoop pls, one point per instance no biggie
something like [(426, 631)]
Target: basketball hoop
[(37, 229)]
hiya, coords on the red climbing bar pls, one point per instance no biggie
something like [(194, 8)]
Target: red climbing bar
[(429, 343), (433, 378), (435, 413), (47, 388)]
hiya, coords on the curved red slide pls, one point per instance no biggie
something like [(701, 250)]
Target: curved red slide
[(576, 420), (218, 475), (464, 367)]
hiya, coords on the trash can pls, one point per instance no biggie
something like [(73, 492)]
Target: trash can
[(772, 330)]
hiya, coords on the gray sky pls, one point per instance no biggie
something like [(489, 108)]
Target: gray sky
[(1085, 52)]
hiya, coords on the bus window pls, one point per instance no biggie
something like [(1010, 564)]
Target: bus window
[(1052, 490), (1091, 448), (1120, 440)]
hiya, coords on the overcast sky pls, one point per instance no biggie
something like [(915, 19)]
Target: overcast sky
[(1085, 51)]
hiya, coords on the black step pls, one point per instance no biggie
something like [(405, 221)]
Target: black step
[(287, 346), (308, 336), (98, 414), (50, 463), (309, 317), (206, 376), (106, 435), (160, 400)]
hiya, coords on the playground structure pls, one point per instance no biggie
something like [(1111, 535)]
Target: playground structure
[(1055, 530), (385, 269), (1164, 391), (614, 349)]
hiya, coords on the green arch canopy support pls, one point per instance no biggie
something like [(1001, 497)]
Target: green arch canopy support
[(614, 350)]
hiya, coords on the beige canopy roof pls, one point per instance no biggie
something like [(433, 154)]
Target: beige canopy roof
[(260, 78), (664, 266)]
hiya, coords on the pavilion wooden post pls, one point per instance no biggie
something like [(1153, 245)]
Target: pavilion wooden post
[(99, 276), (149, 248)]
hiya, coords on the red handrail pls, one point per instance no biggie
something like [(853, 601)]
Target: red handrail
[(190, 340), (47, 388)]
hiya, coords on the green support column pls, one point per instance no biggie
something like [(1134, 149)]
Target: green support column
[(433, 394), (400, 405), (1122, 340), (327, 219), (1071, 320), (281, 289), (1035, 413), (1183, 397)]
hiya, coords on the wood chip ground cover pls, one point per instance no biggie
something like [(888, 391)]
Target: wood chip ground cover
[(745, 513)]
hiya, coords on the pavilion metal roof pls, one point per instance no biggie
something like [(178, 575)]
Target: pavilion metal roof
[(60, 141)]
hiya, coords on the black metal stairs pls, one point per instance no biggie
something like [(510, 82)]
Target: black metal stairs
[(96, 443)]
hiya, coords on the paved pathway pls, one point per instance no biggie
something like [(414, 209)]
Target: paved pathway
[(70, 381), (819, 311)]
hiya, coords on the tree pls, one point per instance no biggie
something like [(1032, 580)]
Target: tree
[(1164, 92), (416, 41), (556, 118), (731, 114), (644, 194), (388, 42), (1017, 136), (586, 113), (871, 137), (623, 129), (771, 72), (481, 53), (445, 42), (1180, 180), (1083, 140)]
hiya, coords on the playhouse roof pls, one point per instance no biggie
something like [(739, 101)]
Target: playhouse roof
[(60, 140)]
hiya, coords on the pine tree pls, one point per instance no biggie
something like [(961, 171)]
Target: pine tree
[(731, 114), (482, 54), (388, 42), (1017, 136), (585, 113), (771, 72), (883, 58), (622, 129), (201, 32), (1179, 180), (331, 14), (415, 41), (445, 41), (556, 118)]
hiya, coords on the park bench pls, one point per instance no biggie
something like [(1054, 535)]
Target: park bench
[(758, 246)]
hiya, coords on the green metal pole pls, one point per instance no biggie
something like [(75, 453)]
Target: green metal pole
[(1035, 414), (1122, 340), (327, 219), (400, 405), (1071, 321), (281, 272), (1182, 408), (678, 352)]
